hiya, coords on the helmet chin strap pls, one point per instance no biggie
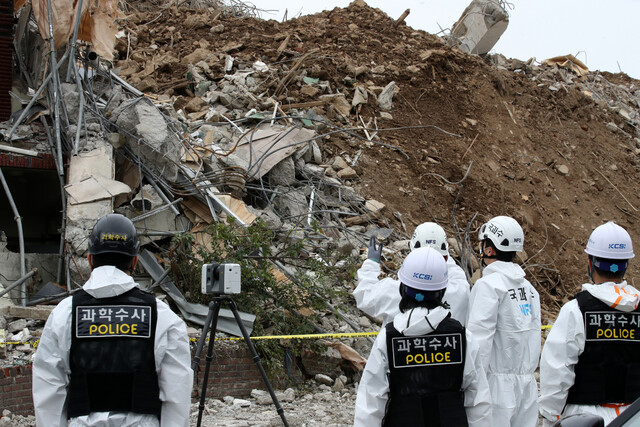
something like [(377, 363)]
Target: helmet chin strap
[(590, 272), (484, 256)]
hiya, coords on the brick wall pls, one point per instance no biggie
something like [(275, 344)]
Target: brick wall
[(6, 57), (232, 373), (15, 390)]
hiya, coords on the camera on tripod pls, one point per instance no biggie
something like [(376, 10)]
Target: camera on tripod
[(220, 279)]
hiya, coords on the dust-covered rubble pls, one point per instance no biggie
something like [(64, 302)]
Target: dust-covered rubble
[(8, 419), (323, 405)]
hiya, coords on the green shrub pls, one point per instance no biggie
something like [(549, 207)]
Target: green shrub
[(283, 304)]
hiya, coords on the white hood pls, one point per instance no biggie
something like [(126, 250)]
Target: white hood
[(509, 269), (107, 281), (420, 320), (620, 296)]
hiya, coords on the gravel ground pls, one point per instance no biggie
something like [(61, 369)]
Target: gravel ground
[(324, 407)]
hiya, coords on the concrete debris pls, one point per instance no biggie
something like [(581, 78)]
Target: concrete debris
[(480, 27), (264, 398), (564, 72), (230, 137), (324, 405), (93, 188), (569, 62), (40, 312), (324, 379), (17, 340), (17, 326), (141, 120), (385, 99), (8, 419)]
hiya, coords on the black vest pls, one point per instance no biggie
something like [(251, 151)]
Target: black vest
[(112, 354), (608, 371), (425, 377)]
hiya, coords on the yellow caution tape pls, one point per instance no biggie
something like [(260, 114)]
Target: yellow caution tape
[(302, 337), (269, 337), (32, 344)]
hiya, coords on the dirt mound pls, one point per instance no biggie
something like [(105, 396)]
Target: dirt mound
[(552, 159)]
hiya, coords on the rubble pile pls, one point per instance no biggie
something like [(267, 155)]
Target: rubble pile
[(7, 419), (614, 92), (423, 129), (324, 404), (336, 127)]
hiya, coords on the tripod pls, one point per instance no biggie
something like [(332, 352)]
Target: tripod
[(211, 323)]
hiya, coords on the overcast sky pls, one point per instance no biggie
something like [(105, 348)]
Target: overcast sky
[(602, 34)]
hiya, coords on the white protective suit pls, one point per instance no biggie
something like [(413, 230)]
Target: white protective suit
[(51, 363), (373, 391), (380, 298), (504, 318), (565, 344)]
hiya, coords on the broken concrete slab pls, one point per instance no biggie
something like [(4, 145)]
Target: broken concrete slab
[(480, 27), (266, 146), (81, 217), (38, 313), (16, 326), (373, 205), (283, 173), (93, 188), (347, 173), (360, 96), (339, 102), (290, 203), (313, 171), (385, 99), (268, 216), (149, 133)]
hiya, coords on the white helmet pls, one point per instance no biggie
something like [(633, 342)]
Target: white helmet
[(610, 241), (430, 234), (505, 233), (424, 269)]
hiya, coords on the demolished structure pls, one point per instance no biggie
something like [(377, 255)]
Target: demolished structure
[(326, 138), (480, 26)]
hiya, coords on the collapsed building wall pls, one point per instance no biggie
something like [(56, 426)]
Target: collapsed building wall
[(480, 27)]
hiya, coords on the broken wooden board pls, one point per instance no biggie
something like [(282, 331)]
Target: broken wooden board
[(570, 62), (361, 219), (197, 211), (238, 207)]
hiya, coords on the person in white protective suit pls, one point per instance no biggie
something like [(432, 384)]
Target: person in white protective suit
[(380, 298), (591, 359), (112, 355), (504, 316), (424, 367)]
